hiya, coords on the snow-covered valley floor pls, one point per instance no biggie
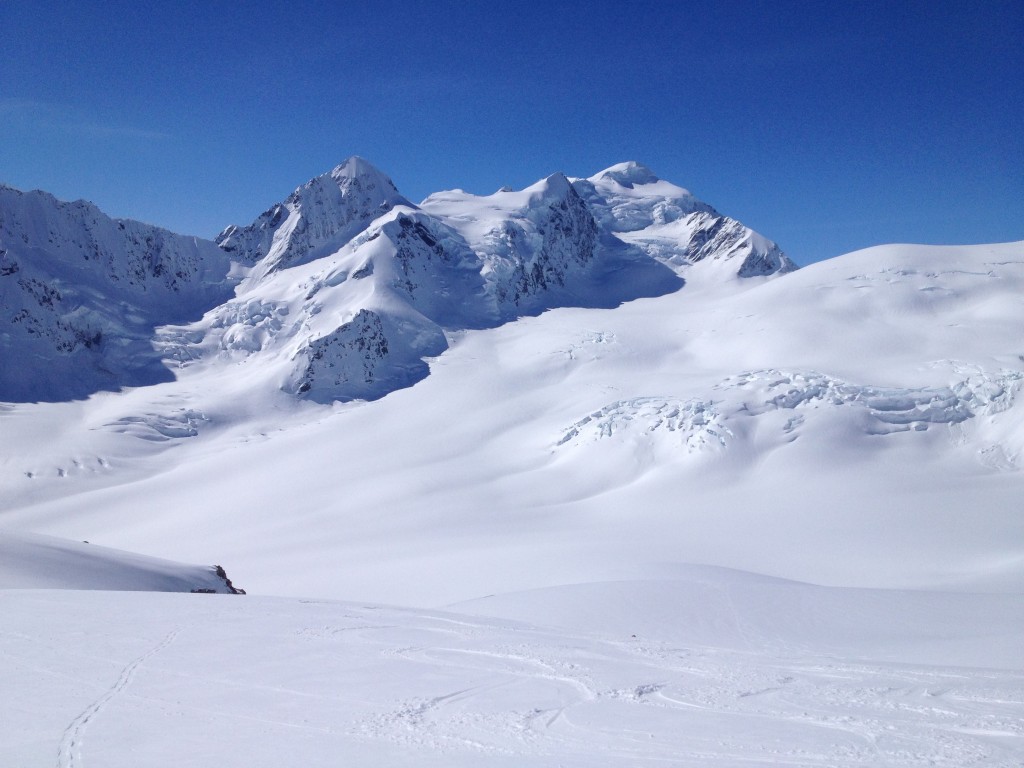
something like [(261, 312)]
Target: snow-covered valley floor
[(717, 668)]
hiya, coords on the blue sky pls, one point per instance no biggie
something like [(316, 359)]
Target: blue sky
[(825, 128)]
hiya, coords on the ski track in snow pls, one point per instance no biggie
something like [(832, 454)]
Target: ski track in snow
[(802, 711), (282, 682), (70, 753), (851, 714)]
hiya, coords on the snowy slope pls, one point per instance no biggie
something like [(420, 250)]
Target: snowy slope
[(857, 423), (32, 561)]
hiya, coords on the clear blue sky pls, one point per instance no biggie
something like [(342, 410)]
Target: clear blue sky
[(826, 126)]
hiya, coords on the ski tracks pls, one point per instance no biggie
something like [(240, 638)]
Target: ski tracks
[(69, 755)]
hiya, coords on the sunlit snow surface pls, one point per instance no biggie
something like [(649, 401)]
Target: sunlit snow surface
[(714, 668), (856, 424)]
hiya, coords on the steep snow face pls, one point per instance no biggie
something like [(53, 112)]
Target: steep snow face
[(316, 219), (670, 224), (354, 324), (541, 247), (426, 262), (80, 294), (353, 313)]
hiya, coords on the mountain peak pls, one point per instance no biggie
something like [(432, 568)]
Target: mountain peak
[(627, 174), (356, 167), (320, 216), (556, 184)]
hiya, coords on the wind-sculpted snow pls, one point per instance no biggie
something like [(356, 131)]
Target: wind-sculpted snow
[(694, 425)]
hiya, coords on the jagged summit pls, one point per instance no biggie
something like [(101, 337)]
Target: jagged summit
[(318, 217)]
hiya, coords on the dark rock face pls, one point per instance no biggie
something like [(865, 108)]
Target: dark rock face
[(568, 237), (347, 359), (544, 248)]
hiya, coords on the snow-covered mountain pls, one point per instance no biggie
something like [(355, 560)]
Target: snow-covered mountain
[(316, 219), (737, 424), (653, 496), (343, 289), (371, 284), (671, 225), (81, 295)]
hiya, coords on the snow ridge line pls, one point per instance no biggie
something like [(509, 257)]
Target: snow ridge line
[(69, 754)]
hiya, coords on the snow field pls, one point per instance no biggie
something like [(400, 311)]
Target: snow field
[(742, 671)]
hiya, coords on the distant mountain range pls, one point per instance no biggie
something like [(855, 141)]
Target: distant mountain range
[(343, 289)]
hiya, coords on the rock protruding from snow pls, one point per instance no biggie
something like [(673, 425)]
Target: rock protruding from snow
[(539, 246), (316, 219), (349, 358)]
